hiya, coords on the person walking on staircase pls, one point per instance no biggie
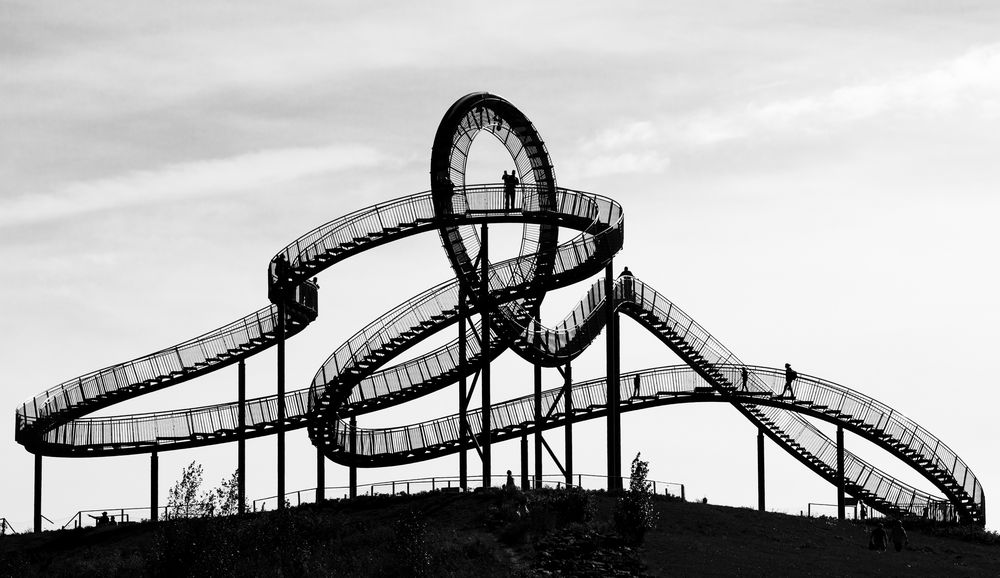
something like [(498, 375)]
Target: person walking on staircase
[(790, 376)]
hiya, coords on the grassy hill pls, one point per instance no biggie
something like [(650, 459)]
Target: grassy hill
[(484, 534)]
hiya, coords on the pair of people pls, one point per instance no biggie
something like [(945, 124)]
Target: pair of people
[(879, 537), (790, 376), (509, 184)]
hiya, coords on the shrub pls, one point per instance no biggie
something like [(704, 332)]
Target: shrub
[(635, 513)]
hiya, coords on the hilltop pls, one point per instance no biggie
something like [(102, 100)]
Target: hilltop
[(489, 534)]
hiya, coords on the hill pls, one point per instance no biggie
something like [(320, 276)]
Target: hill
[(484, 534)]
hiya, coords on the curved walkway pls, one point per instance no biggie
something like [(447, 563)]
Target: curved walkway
[(357, 378)]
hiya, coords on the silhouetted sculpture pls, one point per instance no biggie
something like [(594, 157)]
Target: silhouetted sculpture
[(878, 539), (898, 535), (790, 376), (635, 386), (743, 378)]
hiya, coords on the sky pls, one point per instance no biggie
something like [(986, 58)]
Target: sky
[(815, 183)]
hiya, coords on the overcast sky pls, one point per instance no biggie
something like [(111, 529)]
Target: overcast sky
[(814, 182)]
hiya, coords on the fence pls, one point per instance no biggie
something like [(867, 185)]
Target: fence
[(412, 485)]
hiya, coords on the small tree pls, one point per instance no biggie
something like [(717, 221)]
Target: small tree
[(184, 499), (227, 496), (187, 500), (636, 514)]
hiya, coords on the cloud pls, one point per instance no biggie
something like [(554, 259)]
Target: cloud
[(625, 163), (967, 85), (970, 83), (213, 177)]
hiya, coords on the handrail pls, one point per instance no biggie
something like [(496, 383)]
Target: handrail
[(443, 482)]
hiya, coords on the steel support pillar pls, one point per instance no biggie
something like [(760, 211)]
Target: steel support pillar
[(840, 473), (281, 403), (241, 444), (320, 476), (154, 490), (38, 493), (484, 308), (525, 484), (568, 399), (760, 470), (538, 424), (352, 473), (463, 402), (617, 407), (614, 478)]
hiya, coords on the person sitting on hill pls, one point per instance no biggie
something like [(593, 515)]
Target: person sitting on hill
[(101, 520), (510, 486)]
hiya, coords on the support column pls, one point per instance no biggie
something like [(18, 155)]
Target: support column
[(614, 482), (525, 484), (241, 449), (154, 490), (320, 476), (538, 424), (568, 397), (463, 405), (352, 473), (38, 493), (617, 407), (760, 470), (840, 473), (281, 402), (484, 307)]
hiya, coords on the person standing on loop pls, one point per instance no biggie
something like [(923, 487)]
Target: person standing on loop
[(509, 184), (790, 376)]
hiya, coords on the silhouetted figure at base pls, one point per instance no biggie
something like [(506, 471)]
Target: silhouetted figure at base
[(790, 376), (898, 535), (743, 378), (635, 386), (878, 540), (101, 520), (628, 285), (510, 486)]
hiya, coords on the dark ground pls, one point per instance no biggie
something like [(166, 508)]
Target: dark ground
[(484, 535)]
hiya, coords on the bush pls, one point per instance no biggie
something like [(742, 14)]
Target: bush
[(635, 513)]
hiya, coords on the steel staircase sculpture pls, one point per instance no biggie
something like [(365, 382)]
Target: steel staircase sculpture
[(359, 378)]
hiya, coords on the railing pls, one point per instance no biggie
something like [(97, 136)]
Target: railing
[(874, 416), (435, 483), (123, 516), (810, 440), (437, 305)]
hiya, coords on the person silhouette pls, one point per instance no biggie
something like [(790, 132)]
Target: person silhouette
[(628, 285), (898, 535), (743, 378), (635, 386), (878, 539), (510, 485), (508, 191), (790, 376), (100, 520), (509, 185)]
